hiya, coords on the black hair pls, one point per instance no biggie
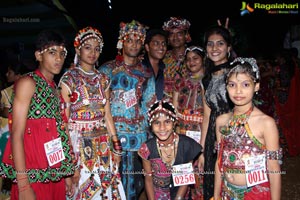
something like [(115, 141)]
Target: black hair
[(244, 68), (18, 67), (153, 32), (220, 30), (196, 49), (47, 38), (165, 105), (209, 65)]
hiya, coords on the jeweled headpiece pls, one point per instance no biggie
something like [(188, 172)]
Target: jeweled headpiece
[(250, 61), (54, 48), (161, 108), (176, 22), (195, 48), (134, 27), (86, 33)]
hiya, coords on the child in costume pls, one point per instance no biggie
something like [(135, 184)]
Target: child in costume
[(249, 155), (165, 153), (93, 135), (38, 156)]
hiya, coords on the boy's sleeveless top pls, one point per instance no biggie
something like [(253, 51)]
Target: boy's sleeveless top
[(44, 123)]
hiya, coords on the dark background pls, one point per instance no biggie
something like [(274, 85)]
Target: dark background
[(255, 34)]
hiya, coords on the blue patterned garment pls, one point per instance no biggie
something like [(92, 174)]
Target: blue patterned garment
[(132, 93)]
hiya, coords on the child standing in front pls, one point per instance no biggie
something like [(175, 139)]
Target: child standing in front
[(249, 155), (37, 157), (162, 153)]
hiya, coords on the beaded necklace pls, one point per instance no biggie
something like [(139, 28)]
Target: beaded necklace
[(194, 85), (236, 122), (167, 158)]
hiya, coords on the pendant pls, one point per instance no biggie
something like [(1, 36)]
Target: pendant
[(86, 102)]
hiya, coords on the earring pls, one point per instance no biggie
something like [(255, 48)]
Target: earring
[(228, 54)]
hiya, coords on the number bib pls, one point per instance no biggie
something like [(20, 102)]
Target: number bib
[(256, 170), (54, 151), (196, 135), (183, 174), (130, 98)]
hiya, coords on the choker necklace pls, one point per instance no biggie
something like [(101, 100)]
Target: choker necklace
[(236, 123), (171, 144), (167, 158), (198, 76), (87, 73), (238, 120)]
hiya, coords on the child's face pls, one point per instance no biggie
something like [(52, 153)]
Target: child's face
[(162, 127), (52, 59), (241, 88), (194, 62), (11, 76), (90, 51)]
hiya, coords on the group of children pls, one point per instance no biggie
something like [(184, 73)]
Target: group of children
[(64, 143)]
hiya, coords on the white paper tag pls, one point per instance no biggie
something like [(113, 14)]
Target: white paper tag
[(255, 168), (196, 135), (183, 174), (54, 151), (130, 98)]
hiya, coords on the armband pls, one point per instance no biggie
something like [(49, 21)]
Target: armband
[(65, 105), (274, 155)]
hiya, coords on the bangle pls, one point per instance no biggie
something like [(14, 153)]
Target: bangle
[(21, 172), (178, 198), (22, 178), (25, 187), (148, 174)]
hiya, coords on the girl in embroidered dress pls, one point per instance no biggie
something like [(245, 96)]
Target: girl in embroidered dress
[(187, 100), (93, 135), (161, 153), (249, 155)]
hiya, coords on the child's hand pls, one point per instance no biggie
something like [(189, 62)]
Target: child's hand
[(69, 187), (27, 194), (75, 177), (117, 159), (201, 163)]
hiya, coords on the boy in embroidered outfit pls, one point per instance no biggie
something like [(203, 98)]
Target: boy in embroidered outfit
[(95, 143), (163, 152), (178, 37), (132, 94), (38, 155), (249, 155)]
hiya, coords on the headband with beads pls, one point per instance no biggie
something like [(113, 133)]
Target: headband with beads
[(54, 48), (251, 61), (84, 34), (175, 22), (134, 27), (161, 110)]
